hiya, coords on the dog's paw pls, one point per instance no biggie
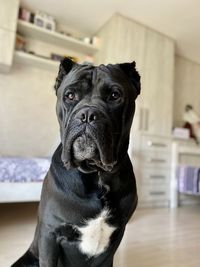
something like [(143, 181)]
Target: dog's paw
[(68, 232)]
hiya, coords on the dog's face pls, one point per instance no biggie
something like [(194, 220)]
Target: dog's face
[(95, 107)]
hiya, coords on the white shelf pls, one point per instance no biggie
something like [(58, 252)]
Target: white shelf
[(36, 61), (32, 31)]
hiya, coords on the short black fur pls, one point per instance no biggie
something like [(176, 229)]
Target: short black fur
[(90, 170)]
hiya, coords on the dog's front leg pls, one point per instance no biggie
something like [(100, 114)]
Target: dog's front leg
[(48, 250)]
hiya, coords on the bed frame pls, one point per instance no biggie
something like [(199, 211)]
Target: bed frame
[(20, 192)]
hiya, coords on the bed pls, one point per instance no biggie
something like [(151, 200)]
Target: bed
[(21, 178)]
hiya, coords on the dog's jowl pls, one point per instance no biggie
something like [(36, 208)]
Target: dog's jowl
[(89, 192)]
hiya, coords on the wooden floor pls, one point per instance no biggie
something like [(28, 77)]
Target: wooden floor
[(154, 237)]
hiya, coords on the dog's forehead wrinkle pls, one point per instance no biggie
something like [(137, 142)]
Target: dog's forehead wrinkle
[(108, 76), (92, 79), (94, 75), (81, 74), (99, 80)]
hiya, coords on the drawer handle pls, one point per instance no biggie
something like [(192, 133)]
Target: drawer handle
[(157, 193), (150, 143), (146, 119), (158, 160), (141, 120), (157, 176)]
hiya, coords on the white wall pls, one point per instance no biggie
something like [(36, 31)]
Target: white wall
[(186, 87), (28, 124)]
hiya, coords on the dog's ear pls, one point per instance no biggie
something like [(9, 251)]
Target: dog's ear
[(65, 67), (130, 70)]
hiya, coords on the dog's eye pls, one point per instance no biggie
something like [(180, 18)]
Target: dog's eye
[(70, 96), (114, 95)]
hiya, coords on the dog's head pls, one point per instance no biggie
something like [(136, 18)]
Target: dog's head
[(95, 107)]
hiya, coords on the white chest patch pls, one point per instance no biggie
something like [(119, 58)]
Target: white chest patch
[(96, 235)]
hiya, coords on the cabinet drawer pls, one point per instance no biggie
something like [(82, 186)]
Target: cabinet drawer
[(156, 159), (153, 193), (154, 176), (153, 143)]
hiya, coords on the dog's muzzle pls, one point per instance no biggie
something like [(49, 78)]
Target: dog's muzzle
[(84, 148), (89, 140)]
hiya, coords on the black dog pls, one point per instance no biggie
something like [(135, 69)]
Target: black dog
[(89, 193)]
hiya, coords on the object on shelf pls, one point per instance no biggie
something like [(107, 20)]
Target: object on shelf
[(39, 19), (57, 57), (91, 40), (88, 60), (192, 122), (50, 23), (44, 21), (75, 59), (32, 17), (31, 31), (181, 133), (24, 14), (65, 33), (20, 43), (95, 41), (87, 40), (38, 55), (32, 60)]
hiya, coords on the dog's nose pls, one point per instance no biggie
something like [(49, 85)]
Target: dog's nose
[(87, 115)]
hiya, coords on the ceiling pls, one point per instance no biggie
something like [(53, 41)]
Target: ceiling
[(178, 19)]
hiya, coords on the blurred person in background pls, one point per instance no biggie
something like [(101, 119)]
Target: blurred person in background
[(192, 122)]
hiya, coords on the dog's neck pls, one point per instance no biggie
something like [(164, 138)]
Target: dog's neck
[(101, 178)]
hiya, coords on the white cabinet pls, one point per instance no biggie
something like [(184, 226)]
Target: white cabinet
[(157, 84), (8, 14), (8, 22), (155, 108), (151, 158), (7, 41), (124, 40)]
